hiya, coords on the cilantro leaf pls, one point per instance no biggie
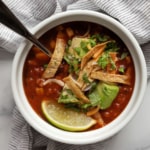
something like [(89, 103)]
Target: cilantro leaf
[(103, 60), (100, 38), (112, 46), (67, 97), (73, 63), (124, 55), (106, 59), (85, 78), (121, 69)]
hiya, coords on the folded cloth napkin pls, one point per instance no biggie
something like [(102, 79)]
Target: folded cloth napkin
[(133, 14)]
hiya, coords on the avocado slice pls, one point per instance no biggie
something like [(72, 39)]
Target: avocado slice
[(107, 93), (103, 95)]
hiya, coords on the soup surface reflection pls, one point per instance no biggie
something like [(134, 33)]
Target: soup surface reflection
[(91, 71)]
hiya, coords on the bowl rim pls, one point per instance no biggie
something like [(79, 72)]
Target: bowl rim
[(77, 137)]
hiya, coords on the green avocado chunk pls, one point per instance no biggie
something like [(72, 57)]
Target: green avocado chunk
[(108, 93), (103, 95)]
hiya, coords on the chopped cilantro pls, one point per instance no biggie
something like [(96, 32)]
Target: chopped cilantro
[(100, 38), (106, 59), (69, 42), (83, 49), (67, 48), (83, 45), (92, 42), (103, 60), (124, 55), (73, 63), (73, 106), (93, 85), (85, 78), (67, 96), (121, 69), (78, 50), (45, 66), (112, 46), (113, 65)]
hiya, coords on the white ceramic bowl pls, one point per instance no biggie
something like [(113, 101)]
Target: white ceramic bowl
[(86, 137)]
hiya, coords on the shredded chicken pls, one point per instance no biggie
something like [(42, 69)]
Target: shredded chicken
[(99, 119), (86, 34), (59, 82), (85, 72), (92, 111)]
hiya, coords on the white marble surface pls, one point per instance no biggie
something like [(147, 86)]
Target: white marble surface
[(135, 136)]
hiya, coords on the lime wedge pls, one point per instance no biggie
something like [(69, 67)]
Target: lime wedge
[(66, 119)]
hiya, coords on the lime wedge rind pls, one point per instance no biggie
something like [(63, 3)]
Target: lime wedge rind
[(66, 119)]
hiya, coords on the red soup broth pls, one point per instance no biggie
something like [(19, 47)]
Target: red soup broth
[(36, 62)]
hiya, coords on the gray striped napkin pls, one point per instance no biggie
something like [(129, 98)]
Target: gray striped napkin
[(133, 14)]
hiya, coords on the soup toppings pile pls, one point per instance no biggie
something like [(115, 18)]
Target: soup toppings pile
[(86, 83)]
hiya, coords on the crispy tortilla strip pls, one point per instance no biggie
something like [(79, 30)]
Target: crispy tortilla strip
[(75, 89), (55, 59), (85, 72), (114, 58), (107, 77), (99, 119), (94, 52), (93, 111)]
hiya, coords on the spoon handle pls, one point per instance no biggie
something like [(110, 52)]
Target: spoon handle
[(10, 20)]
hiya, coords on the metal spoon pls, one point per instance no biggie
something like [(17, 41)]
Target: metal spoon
[(10, 20)]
